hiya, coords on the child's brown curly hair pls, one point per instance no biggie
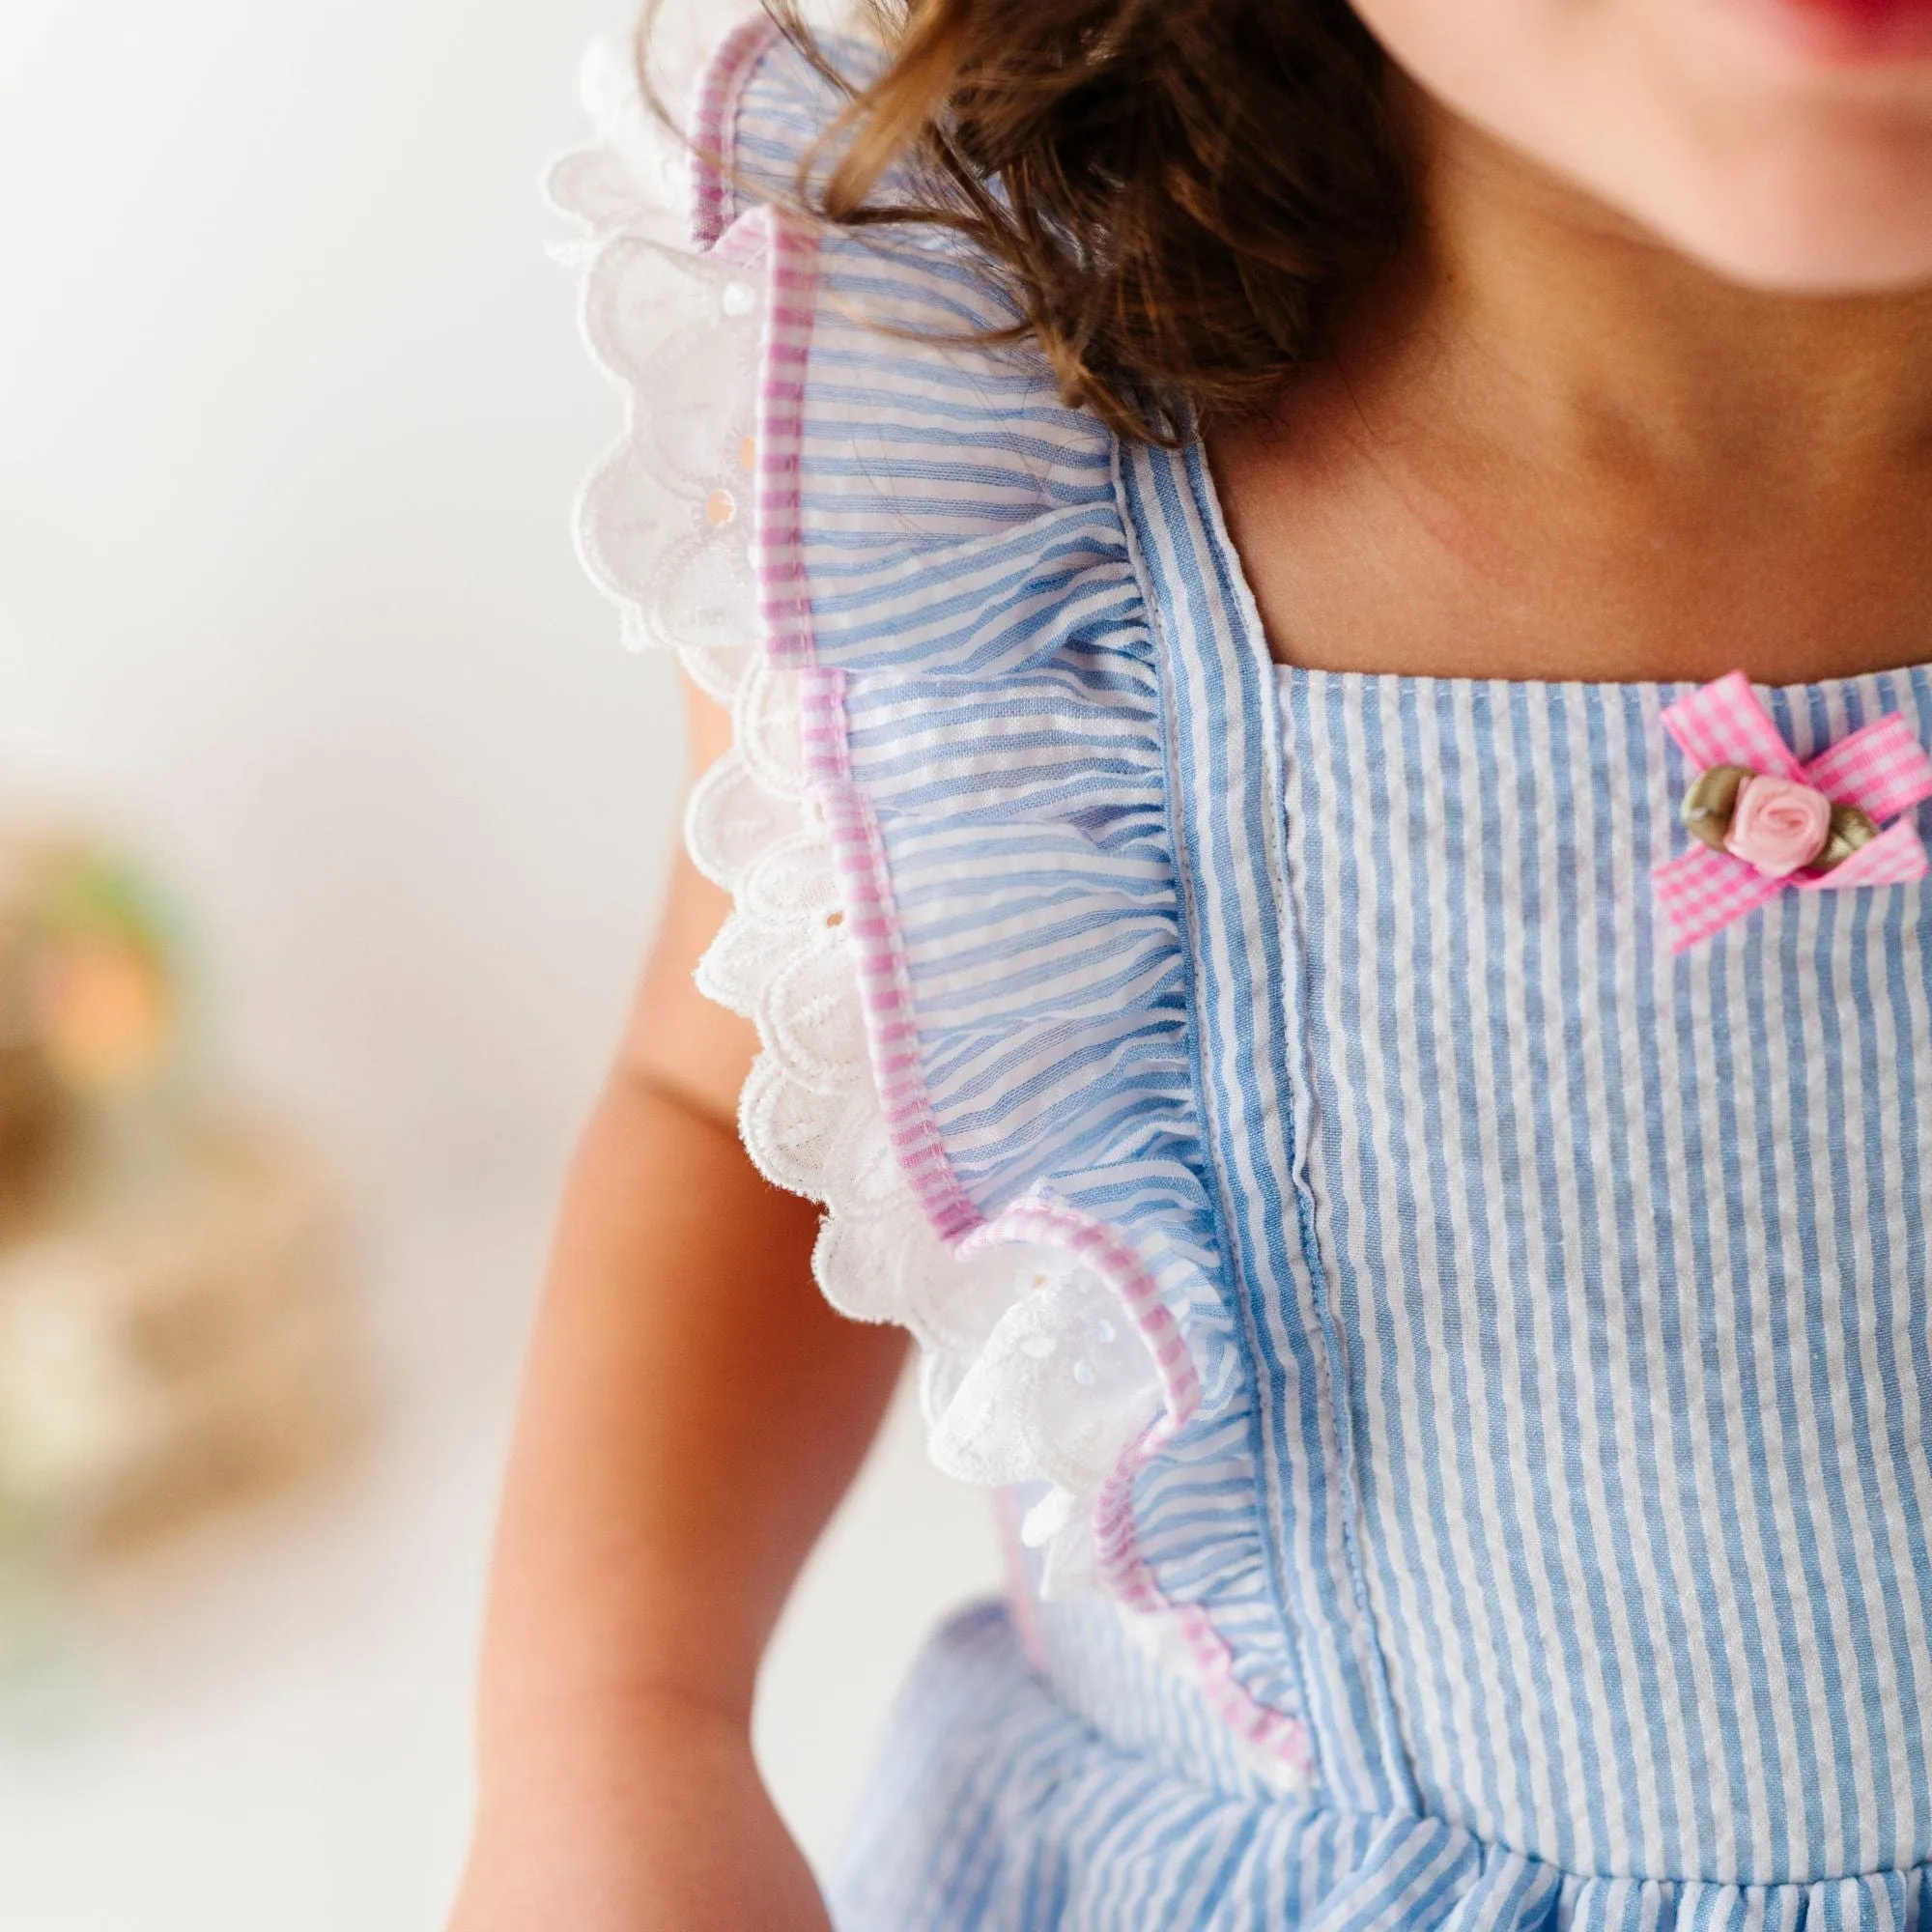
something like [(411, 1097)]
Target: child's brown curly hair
[(1178, 194)]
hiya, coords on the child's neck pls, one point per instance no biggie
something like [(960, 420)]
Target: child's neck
[(1550, 447)]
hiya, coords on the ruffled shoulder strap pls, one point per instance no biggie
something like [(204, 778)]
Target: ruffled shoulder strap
[(902, 559)]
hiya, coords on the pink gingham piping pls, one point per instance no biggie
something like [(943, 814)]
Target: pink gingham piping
[(872, 934), (789, 245), (1883, 769), (789, 248), (714, 119), (785, 600)]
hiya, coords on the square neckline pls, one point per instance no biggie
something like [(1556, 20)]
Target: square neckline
[(1659, 692)]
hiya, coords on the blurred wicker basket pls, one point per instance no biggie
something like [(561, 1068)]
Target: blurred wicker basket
[(168, 1349), (174, 1322)]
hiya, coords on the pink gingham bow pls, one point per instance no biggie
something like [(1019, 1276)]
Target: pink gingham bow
[(1882, 769)]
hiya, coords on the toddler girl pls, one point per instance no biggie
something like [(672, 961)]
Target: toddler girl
[(1306, 630)]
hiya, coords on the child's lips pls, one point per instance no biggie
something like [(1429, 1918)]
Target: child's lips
[(1854, 32)]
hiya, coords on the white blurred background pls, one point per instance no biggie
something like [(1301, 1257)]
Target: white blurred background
[(291, 411)]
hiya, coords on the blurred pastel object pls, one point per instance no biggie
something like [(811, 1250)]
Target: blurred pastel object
[(174, 1325), (104, 1013), (105, 997)]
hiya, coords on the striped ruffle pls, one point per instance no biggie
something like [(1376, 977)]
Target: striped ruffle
[(992, 1806), (943, 559), (942, 823)]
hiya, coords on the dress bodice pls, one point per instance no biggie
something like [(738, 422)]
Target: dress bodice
[(1628, 1253)]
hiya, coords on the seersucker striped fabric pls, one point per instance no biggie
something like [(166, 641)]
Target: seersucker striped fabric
[(1552, 1486), (1629, 1255)]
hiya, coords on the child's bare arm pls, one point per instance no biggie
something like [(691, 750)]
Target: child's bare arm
[(690, 1415)]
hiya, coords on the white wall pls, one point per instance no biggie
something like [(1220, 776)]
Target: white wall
[(291, 411)]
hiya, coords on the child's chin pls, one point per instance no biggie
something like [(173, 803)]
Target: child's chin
[(1833, 266), (1847, 225), (1786, 170)]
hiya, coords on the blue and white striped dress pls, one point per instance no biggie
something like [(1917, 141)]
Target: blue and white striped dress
[(1539, 1535), (1626, 1256)]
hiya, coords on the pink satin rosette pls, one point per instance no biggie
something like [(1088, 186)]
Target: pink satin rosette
[(1778, 825)]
